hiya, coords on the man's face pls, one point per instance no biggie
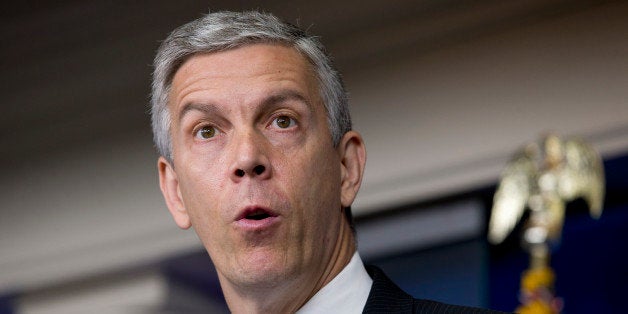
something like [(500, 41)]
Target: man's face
[(255, 172)]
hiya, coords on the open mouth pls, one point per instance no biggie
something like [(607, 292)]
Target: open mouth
[(256, 214), (257, 219)]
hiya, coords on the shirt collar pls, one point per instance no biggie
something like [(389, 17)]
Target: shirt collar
[(346, 293)]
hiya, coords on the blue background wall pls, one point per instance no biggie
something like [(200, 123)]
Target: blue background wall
[(590, 263)]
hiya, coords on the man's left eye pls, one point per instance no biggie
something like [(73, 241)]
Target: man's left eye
[(284, 122)]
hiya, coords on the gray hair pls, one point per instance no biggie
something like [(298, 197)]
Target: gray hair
[(222, 31)]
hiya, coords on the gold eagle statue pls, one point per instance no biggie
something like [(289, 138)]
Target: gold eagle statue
[(542, 177)]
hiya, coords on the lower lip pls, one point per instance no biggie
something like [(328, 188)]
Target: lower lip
[(257, 225)]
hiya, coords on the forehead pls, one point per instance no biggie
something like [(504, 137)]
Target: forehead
[(269, 61), (244, 76)]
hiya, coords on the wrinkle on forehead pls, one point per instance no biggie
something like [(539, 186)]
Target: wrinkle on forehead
[(266, 104), (215, 73)]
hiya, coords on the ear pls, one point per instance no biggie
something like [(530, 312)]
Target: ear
[(352, 160), (169, 184)]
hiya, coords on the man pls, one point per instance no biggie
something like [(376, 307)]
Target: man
[(258, 157)]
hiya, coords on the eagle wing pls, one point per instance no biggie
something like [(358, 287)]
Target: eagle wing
[(517, 183), (582, 175)]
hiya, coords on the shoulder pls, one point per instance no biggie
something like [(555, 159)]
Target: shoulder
[(386, 297), (428, 306)]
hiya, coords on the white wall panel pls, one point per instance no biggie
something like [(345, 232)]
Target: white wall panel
[(451, 118)]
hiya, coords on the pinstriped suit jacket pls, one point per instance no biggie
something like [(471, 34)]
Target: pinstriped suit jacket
[(387, 297)]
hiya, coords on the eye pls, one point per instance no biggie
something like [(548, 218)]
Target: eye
[(206, 132), (284, 122)]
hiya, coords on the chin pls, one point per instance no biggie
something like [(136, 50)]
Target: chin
[(259, 268)]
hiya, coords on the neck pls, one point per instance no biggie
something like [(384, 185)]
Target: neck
[(290, 295)]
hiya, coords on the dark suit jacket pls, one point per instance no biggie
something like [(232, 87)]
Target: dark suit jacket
[(387, 297)]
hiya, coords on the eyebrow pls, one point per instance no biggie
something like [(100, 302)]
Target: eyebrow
[(267, 103), (207, 108), (282, 96)]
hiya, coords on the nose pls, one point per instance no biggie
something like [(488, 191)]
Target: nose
[(250, 158)]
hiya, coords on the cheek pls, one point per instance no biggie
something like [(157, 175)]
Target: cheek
[(204, 169), (316, 181), (202, 191), (208, 221)]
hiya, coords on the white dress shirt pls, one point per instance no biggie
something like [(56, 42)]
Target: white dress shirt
[(346, 293)]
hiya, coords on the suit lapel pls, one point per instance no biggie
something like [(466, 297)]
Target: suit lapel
[(385, 296)]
